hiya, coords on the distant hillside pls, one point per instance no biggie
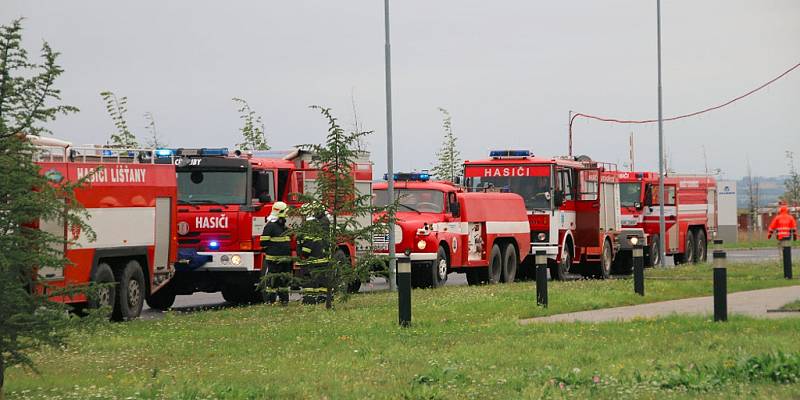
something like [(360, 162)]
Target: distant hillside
[(769, 189)]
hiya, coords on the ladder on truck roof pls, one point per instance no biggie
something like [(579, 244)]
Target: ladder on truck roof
[(56, 150)]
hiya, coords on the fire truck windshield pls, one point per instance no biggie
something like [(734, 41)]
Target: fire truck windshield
[(535, 190), (417, 200), (630, 193), (212, 187)]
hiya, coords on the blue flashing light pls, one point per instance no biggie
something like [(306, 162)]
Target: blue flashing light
[(410, 176), (213, 245), (108, 152), (222, 151), (164, 152), (509, 153)]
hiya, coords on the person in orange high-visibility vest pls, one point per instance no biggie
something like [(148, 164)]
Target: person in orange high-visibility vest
[(783, 225)]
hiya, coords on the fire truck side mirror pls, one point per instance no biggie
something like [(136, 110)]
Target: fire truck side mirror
[(264, 198), (457, 180)]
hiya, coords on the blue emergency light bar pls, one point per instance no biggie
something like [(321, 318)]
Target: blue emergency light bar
[(409, 176), (221, 151), (213, 245), (510, 153), (165, 152)]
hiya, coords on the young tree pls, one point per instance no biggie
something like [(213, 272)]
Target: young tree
[(336, 194), (792, 194), (448, 165), (153, 141), (253, 137), (117, 108), (753, 198), (28, 100)]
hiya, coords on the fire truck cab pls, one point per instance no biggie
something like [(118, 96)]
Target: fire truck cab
[(572, 206), (131, 204), (690, 213), (223, 200), (443, 229)]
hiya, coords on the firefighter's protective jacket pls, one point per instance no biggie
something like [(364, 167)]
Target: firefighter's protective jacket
[(783, 225), (275, 241), (315, 248)]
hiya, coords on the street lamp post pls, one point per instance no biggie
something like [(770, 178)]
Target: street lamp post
[(661, 227), (389, 150)]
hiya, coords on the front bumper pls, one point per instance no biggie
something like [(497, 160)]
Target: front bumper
[(247, 261), (549, 249), (415, 257)]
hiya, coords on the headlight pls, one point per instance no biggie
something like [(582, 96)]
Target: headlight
[(541, 236), (421, 245), (634, 240), (236, 259), (225, 259)]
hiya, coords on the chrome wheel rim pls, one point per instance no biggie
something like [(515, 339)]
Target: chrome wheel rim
[(442, 269), (134, 292)]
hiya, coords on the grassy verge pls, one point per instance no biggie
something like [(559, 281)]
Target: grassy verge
[(465, 342), (752, 244), (793, 306)]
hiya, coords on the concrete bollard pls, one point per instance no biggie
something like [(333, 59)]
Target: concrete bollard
[(720, 286), (404, 290), (786, 245), (638, 269), (540, 261)]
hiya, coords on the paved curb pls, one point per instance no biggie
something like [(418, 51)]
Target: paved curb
[(754, 303)]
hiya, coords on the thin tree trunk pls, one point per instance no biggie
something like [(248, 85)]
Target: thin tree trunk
[(2, 376)]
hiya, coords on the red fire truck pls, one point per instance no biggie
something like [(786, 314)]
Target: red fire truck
[(443, 229), (690, 213), (573, 207), (132, 205), (223, 199)]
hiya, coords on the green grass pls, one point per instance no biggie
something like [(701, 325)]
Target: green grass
[(465, 342), (793, 306), (750, 244)]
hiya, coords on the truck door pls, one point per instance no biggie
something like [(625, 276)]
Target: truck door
[(587, 208)]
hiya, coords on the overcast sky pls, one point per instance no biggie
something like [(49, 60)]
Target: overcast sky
[(508, 71)]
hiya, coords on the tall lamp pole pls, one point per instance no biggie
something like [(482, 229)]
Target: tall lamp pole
[(661, 225), (389, 160)]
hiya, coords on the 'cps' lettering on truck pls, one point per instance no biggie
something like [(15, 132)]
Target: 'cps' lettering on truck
[(220, 222)]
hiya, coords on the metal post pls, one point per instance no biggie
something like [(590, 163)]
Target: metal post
[(661, 225), (389, 148), (720, 286), (638, 269), (540, 260), (786, 244), (404, 290)]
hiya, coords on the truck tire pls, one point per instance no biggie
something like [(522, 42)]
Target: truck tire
[(107, 295), (701, 247), (606, 259), (130, 292), (354, 286), (653, 258), (688, 255), (495, 267), (510, 263), (439, 268), (559, 270), (161, 300)]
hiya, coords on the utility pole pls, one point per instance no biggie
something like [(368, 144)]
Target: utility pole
[(632, 153), (389, 149), (661, 225)]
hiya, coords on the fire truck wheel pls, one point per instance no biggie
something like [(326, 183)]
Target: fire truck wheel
[(354, 286), (130, 295), (606, 258), (162, 299), (439, 268), (510, 263), (104, 297), (559, 270), (495, 270), (473, 277), (653, 258), (701, 247), (688, 255)]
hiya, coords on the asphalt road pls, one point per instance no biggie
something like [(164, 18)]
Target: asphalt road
[(205, 301)]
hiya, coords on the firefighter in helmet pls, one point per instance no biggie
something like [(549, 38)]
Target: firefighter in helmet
[(784, 226), (314, 248), (275, 243)]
